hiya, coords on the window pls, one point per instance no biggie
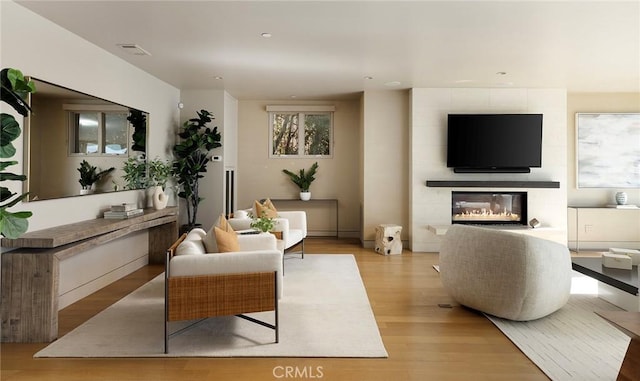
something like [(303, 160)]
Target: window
[(98, 132), (306, 132)]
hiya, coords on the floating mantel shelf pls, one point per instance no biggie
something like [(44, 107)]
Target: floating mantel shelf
[(492, 184)]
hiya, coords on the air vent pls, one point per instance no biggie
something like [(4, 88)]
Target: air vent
[(134, 49)]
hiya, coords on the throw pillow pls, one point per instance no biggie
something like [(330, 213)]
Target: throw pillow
[(227, 242), (266, 209), (209, 240)]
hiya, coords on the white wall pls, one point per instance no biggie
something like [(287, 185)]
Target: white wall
[(260, 176), (385, 154), (44, 50), (429, 109)]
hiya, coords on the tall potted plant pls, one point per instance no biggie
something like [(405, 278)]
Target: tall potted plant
[(15, 89), (191, 159), (303, 180)]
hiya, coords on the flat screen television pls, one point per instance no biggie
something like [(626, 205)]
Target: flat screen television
[(485, 143)]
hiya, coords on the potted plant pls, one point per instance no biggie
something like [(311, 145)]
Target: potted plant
[(159, 173), (15, 89), (191, 159), (135, 169), (303, 180), (89, 175), (263, 223)]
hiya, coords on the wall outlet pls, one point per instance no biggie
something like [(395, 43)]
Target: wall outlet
[(216, 158), (588, 228)]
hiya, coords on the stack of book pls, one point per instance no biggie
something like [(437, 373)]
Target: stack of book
[(123, 211)]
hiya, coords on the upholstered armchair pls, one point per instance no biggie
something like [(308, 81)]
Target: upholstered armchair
[(292, 224), (200, 285)]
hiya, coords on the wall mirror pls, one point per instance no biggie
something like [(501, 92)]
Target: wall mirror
[(67, 127)]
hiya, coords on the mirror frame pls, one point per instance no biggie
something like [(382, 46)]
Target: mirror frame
[(28, 136)]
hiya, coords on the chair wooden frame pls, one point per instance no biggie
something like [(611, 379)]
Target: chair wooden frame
[(205, 296)]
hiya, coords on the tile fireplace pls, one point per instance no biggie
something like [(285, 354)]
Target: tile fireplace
[(489, 208)]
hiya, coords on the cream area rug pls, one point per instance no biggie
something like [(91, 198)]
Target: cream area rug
[(573, 343), (324, 312)]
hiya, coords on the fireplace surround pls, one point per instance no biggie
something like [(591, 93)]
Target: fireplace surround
[(489, 208)]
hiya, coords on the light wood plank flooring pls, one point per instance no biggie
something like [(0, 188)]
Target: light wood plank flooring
[(424, 341)]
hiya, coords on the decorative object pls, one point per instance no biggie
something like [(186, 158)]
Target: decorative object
[(607, 150), (160, 199), (388, 239), (15, 89), (313, 320), (303, 180), (89, 175), (617, 261), (191, 159), (48, 169), (621, 198), (534, 223), (159, 172)]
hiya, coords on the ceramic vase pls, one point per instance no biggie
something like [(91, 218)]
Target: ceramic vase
[(160, 199), (621, 198), (305, 196)]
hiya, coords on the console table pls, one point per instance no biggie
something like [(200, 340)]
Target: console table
[(30, 274), (327, 201)]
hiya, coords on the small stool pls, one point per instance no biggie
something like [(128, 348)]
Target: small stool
[(388, 239)]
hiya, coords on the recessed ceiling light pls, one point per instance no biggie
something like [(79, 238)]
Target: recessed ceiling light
[(501, 73), (465, 81), (217, 78), (266, 34), (368, 77), (293, 96), (393, 83)]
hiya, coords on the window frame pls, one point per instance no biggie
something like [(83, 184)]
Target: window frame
[(301, 111), (101, 112)]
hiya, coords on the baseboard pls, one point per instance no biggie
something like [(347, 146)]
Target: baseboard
[(94, 285)]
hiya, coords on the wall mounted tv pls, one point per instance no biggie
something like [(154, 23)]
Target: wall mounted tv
[(489, 143)]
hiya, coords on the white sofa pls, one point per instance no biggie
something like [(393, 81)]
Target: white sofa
[(510, 275), (292, 224)]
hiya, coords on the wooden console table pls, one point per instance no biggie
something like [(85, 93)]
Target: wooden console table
[(30, 274)]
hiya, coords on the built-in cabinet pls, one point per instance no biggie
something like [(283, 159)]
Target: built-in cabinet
[(599, 228)]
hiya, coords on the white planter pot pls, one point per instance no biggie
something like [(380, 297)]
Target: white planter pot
[(305, 196)]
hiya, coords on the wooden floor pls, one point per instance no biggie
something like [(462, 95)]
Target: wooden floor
[(424, 341)]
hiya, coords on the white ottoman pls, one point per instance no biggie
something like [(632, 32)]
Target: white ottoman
[(388, 239)]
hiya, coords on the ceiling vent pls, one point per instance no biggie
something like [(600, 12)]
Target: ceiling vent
[(134, 49)]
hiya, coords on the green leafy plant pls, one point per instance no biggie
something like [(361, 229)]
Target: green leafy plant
[(191, 159), (303, 179), (263, 223), (138, 120), (159, 172), (15, 89), (90, 175), (135, 171)]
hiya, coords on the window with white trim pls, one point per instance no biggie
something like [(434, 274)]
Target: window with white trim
[(300, 131)]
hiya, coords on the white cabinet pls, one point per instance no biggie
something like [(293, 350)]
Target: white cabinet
[(602, 228)]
